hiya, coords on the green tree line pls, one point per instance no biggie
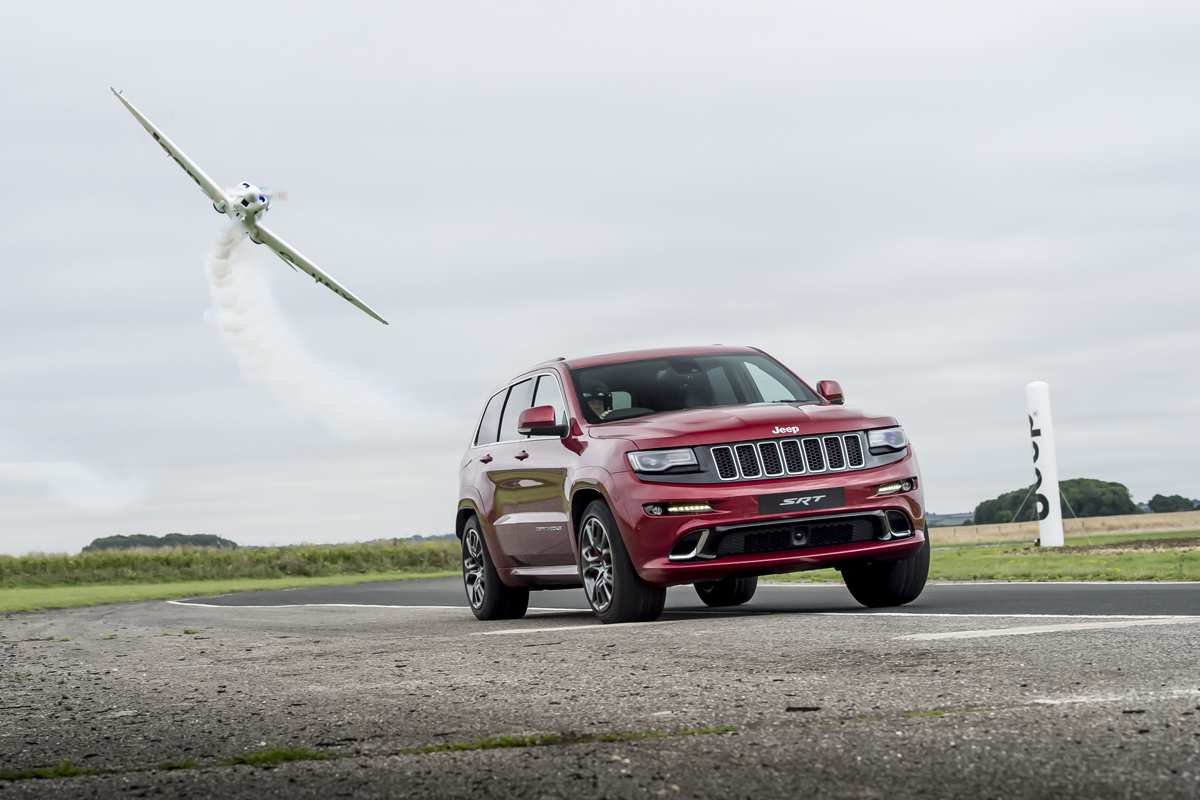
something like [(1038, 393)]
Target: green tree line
[(170, 540), (1087, 498)]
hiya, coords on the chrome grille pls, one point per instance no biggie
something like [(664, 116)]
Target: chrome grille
[(772, 465), (854, 453), (777, 458), (813, 455), (747, 461), (726, 467), (833, 449)]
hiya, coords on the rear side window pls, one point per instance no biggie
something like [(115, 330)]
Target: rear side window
[(520, 395), (548, 394), (490, 423)]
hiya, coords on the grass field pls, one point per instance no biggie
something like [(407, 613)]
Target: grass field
[(1020, 561), (60, 581), (32, 599)]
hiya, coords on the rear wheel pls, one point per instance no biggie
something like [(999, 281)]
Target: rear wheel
[(891, 583), (489, 598), (611, 584), (727, 591)]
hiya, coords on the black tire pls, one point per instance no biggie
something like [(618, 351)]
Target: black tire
[(488, 597), (891, 583), (610, 583), (727, 591)]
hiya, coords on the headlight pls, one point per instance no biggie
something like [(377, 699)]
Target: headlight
[(887, 440), (661, 460)]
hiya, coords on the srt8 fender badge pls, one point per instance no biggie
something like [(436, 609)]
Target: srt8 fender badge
[(792, 429), (801, 501)]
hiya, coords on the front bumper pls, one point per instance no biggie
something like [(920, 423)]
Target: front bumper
[(650, 538)]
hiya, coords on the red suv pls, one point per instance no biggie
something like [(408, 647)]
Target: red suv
[(632, 472)]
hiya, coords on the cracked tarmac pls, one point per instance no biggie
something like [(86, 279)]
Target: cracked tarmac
[(825, 705)]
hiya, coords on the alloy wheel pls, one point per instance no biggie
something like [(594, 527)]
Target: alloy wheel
[(596, 554), (473, 567)]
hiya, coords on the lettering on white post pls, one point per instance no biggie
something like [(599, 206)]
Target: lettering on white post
[(1045, 465)]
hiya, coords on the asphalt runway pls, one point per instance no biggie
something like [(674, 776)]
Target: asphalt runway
[(1004, 690), (1067, 599)]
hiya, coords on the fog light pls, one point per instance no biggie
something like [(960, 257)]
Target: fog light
[(689, 508), (653, 509)]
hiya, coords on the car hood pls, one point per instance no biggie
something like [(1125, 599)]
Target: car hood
[(738, 423)]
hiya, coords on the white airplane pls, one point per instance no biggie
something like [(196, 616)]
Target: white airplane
[(246, 205)]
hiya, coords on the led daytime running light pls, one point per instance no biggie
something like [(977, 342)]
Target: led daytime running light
[(689, 508)]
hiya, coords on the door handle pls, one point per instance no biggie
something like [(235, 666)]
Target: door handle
[(521, 456), (486, 459)]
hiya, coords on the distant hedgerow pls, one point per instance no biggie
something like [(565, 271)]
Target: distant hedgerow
[(191, 564)]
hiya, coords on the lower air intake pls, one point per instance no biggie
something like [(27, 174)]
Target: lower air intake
[(796, 535)]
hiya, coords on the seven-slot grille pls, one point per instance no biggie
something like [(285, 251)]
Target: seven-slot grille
[(776, 458)]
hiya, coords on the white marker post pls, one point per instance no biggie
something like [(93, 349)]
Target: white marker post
[(1045, 465)]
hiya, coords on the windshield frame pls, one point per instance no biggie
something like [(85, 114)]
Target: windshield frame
[(581, 374)]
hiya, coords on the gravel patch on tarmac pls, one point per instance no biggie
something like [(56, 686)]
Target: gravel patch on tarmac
[(825, 705)]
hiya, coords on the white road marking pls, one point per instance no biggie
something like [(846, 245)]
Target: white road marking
[(1115, 698), (307, 605), (188, 604), (870, 613), (1068, 626)]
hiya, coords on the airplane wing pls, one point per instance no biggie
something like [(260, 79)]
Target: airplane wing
[(294, 259), (205, 183)]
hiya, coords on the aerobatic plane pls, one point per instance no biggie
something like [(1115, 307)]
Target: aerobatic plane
[(245, 205)]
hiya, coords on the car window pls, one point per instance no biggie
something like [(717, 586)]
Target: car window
[(627, 389), (548, 394), (490, 424), (722, 389), (519, 397), (770, 389)]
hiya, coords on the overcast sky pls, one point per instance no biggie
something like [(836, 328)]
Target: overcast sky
[(933, 203)]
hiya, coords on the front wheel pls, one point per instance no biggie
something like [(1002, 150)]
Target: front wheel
[(611, 584), (890, 583), (489, 598), (727, 591)]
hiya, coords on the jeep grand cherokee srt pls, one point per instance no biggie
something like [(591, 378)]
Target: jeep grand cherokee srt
[(625, 474)]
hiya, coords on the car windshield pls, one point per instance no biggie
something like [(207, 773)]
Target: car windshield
[(613, 392)]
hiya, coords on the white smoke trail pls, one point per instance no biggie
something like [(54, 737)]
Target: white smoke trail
[(75, 485), (269, 354)]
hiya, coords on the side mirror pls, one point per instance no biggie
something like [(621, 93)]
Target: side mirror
[(540, 421), (832, 390)]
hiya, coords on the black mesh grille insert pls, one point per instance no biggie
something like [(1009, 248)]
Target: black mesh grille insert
[(726, 468), (763, 540), (854, 453), (812, 454), (792, 457), (825, 535), (770, 458), (833, 448), (747, 461)]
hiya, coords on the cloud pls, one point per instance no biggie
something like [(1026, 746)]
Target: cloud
[(76, 485)]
